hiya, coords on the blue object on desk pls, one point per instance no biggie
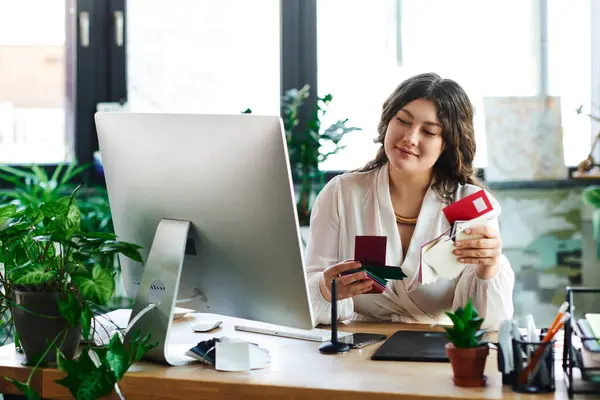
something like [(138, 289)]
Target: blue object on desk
[(205, 351)]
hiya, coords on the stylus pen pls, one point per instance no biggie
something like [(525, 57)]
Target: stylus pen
[(334, 337)]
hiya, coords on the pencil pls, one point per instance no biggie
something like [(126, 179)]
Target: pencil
[(540, 350), (561, 311)]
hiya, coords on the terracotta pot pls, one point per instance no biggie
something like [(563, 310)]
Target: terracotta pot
[(468, 364)]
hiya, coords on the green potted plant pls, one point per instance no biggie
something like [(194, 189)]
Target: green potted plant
[(310, 147), (56, 276), (591, 196), (466, 349), (35, 184)]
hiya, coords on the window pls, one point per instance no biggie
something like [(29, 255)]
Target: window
[(59, 59), (366, 48), (570, 73), (33, 82), (204, 56)]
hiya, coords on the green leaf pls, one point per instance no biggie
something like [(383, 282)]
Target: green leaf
[(95, 236), (26, 197), (54, 209), (86, 321), (25, 388), (139, 347), (33, 275), (40, 174), (101, 352), (479, 334), (97, 289), (33, 215), (468, 311), (72, 171), (68, 366), (73, 215), (42, 238), (451, 335), (84, 379), (596, 224), (7, 212), (591, 196), (74, 218), (127, 249), (117, 357), (56, 173), (75, 268), (97, 384), (15, 171), (70, 308), (471, 327), (458, 323), (459, 312)]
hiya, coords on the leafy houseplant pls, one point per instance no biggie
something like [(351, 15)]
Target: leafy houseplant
[(56, 277), (466, 350), (310, 147), (591, 196), (33, 186)]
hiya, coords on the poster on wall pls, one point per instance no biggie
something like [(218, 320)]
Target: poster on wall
[(524, 139)]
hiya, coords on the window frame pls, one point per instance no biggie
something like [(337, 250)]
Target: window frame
[(299, 52), (101, 74)]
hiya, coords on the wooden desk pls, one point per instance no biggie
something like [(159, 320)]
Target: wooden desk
[(297, 370)]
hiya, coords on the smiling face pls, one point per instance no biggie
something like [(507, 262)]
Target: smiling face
[(413, 139)]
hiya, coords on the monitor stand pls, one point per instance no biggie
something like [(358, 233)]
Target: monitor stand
[(161, 274)]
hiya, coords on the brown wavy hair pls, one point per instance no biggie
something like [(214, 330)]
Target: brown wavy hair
[(455, 113)]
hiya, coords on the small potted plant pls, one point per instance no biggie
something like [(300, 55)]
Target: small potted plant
[(55, 277), (466, 349)]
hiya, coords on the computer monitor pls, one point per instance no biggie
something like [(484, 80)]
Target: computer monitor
[(210, 199)]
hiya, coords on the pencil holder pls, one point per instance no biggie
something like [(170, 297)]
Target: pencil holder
[(534, 366)]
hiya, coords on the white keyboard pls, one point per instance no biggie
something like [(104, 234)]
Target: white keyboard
[(315, 334)]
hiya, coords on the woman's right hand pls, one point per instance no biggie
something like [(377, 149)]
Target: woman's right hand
[(346, 286)]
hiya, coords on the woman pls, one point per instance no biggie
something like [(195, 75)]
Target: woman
[(425, 163)]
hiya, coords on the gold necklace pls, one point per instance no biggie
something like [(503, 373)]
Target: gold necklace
[(403, 220)]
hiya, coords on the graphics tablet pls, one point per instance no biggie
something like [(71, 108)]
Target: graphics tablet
[(413, 346)]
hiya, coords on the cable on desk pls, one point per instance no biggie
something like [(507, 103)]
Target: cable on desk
[(199, 296), (138, 316)]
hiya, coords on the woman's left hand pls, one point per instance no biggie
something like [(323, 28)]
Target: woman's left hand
[(484, 252)]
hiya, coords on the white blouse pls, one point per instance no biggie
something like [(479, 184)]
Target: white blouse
[(359, 203)]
